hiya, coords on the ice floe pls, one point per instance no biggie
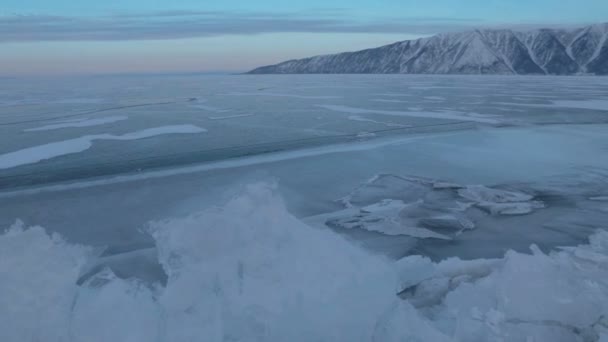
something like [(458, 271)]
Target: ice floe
[(424, 208)]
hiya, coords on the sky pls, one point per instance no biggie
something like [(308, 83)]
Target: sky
[(64, 37)]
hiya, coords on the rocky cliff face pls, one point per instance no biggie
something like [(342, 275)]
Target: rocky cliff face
[(544, 51)]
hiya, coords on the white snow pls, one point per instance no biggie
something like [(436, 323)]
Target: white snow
[(39, 153), (449, 115), (78, 123)]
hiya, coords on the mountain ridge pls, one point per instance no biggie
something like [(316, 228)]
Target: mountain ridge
[(479, 51)]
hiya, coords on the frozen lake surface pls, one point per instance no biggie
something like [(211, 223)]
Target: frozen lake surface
[(186, 206)]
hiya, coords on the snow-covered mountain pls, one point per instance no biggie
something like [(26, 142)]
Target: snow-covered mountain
[(503, 51)]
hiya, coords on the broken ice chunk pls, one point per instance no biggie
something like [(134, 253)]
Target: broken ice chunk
[(480, 193), (384, 217), (384, 205), (447, 222), (446, 185), (516, 208)]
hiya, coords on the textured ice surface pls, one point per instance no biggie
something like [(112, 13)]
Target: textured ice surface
[(245, 272), (364, 119), (47, 151), (587, 104)]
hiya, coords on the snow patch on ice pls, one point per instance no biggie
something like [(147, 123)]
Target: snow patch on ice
[(449, 115), (393, 94), (78, 123), (39, 153), (229, 116), (389, 101), (434, 98)]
